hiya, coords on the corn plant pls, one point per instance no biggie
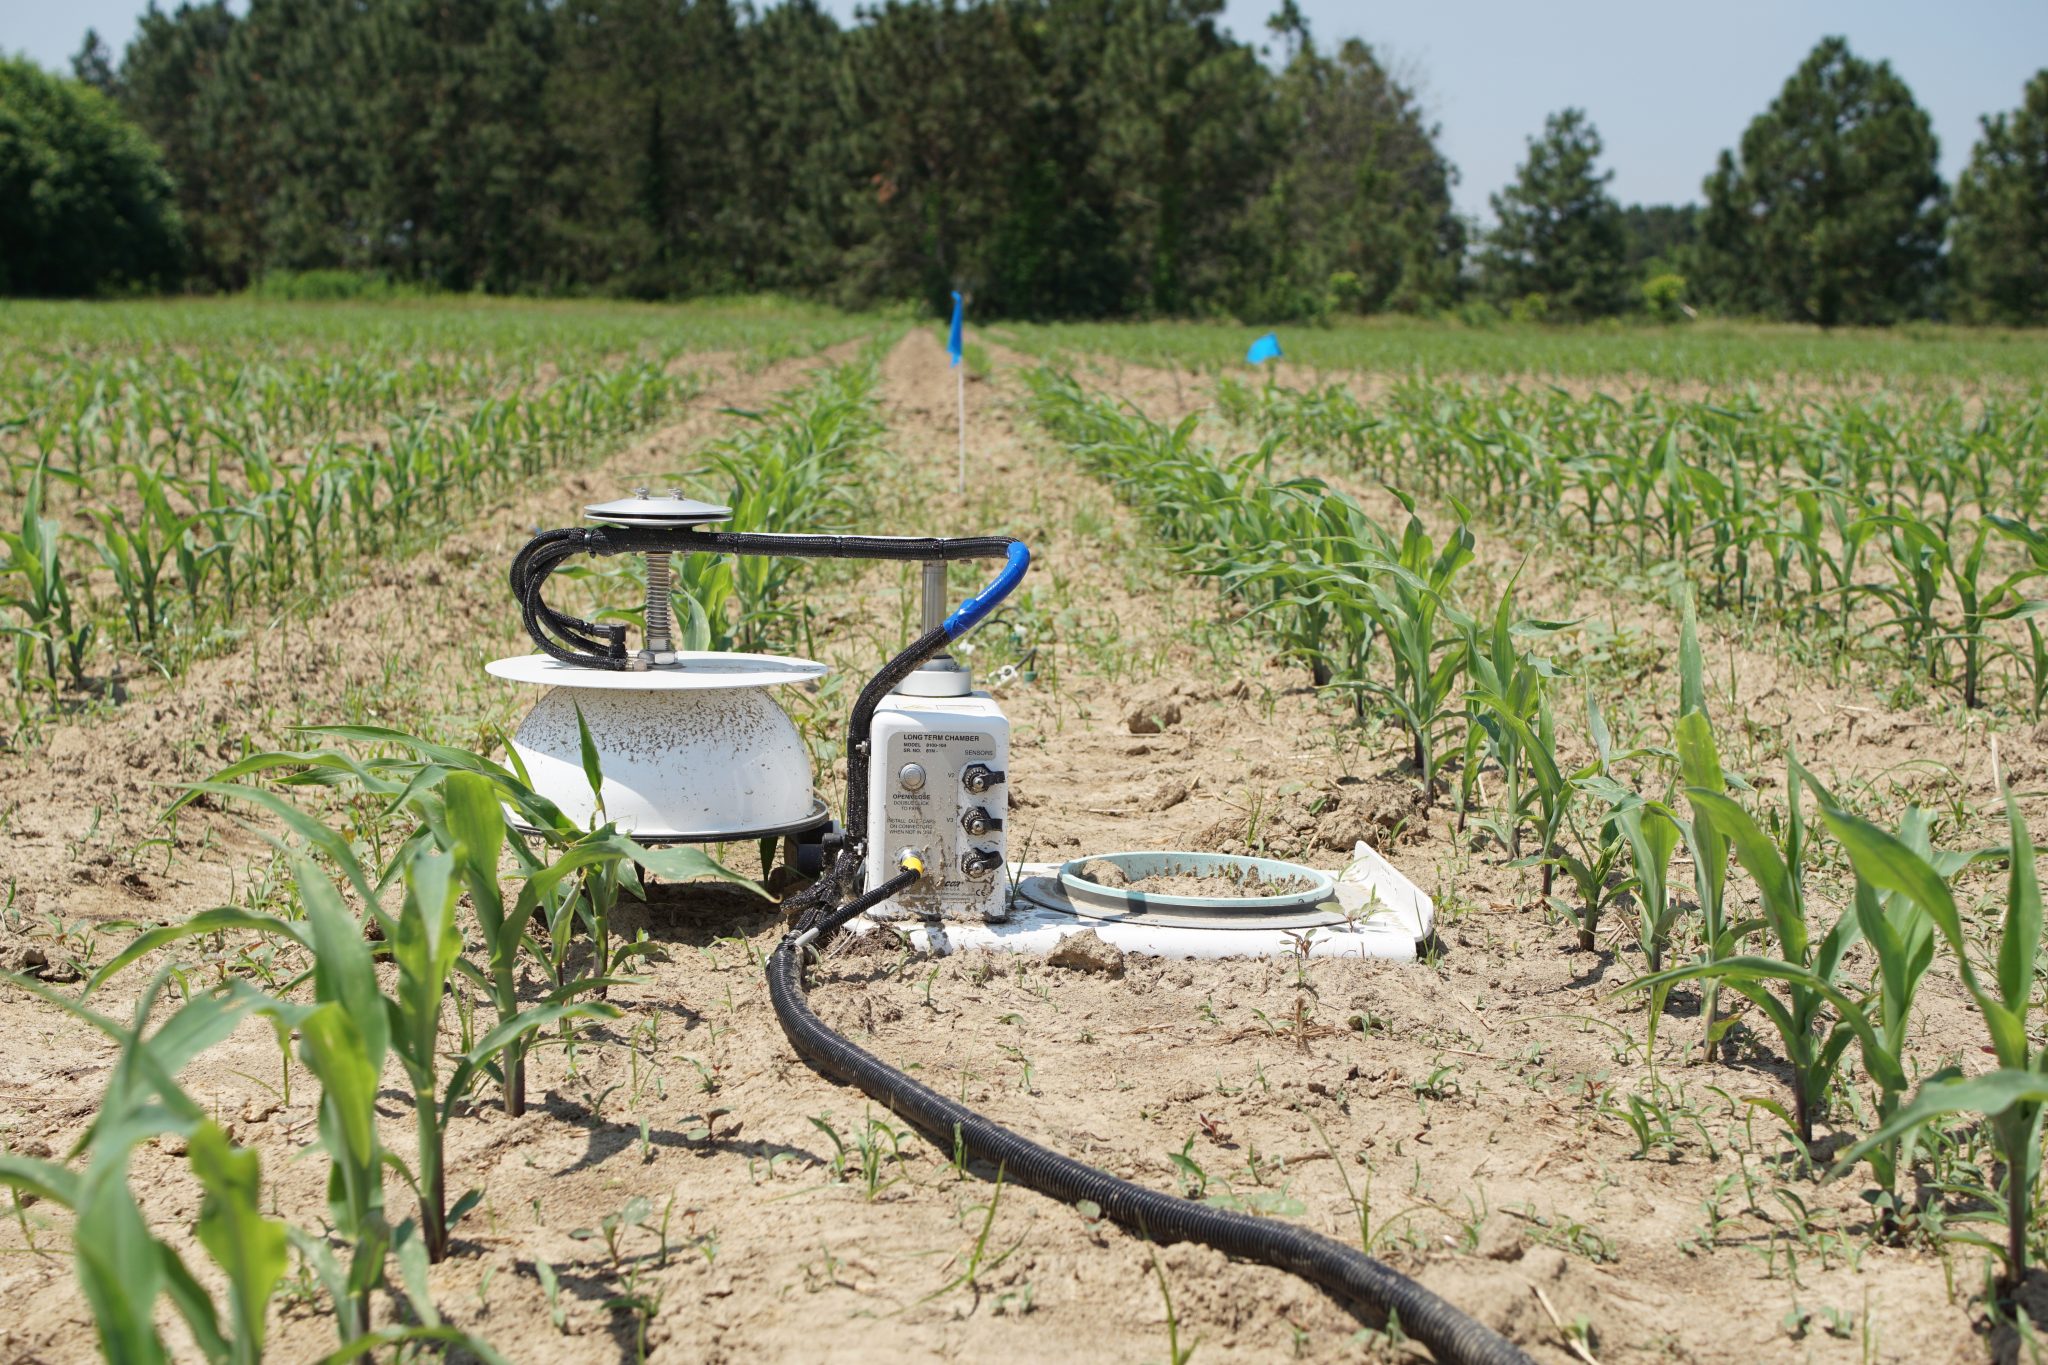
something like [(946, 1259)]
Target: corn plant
[(2011, 1097), (426, 944), (1510, 700), (568, 878), (1780, 505), (1807, 971), (1652, 835), (246, 460), (41, 592), (1408, 599)]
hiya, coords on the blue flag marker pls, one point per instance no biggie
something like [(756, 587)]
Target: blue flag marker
[(953, 348), (1265, 348)]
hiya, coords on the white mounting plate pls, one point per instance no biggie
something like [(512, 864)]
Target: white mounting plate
[(692, 669), (1391, 915)]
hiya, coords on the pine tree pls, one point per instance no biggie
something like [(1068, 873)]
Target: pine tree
[(1560, 236), (1833, 211), (2000, 257), (1359, 217)]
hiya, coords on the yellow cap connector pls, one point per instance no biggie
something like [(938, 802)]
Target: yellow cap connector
[(910, 862)]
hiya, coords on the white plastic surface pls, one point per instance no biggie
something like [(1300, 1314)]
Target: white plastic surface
[(1391, 915), (692, 669)]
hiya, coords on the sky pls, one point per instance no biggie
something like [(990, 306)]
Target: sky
[(1668, 85)]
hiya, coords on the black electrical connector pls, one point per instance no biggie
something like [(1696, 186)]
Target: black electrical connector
[(980, 860)]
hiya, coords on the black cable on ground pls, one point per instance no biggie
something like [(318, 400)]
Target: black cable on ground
[(1352, 1276)]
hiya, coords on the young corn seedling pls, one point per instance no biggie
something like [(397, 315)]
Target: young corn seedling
[(1405, 599), (1652, 836), (1806, 971), (343, 1040), (2013, 1096), (42, 593), (426, 945)]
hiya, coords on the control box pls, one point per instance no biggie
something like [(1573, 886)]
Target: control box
[(938, 783)]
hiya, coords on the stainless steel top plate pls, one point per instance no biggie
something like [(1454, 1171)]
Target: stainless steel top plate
[(666, 509)]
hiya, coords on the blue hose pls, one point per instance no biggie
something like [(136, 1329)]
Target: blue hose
[(971, 612)]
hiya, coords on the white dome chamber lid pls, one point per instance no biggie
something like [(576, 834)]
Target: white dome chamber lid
[(690, 752)]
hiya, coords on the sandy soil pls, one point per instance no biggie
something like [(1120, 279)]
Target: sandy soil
[(1470, 1103)]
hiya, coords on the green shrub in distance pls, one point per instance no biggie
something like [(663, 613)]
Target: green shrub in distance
[(1664, 297)]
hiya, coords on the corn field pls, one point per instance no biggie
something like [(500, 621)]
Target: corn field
[(1795, 987), (169, 470), (1381, 617)]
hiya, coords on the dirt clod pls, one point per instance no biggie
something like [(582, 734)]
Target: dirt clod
[(1104, 873), (1152, 717), (1087, 952)]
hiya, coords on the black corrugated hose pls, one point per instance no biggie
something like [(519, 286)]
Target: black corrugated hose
[(1352, 1276), (578, 642)]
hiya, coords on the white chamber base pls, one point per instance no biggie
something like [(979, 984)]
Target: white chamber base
[(1388, 918)]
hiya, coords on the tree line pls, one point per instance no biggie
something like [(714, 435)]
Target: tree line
[(1051, 157), (1830, 210)]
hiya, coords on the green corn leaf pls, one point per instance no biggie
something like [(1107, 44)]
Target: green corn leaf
[(344, 971), (120, 1266), (335, 1051), (195, 1306), (1596, 728), (305, 826), (317, 1254), (473, 1062), (220, 920), (2020, 948), (476, 820), (1882, 1063), (1692, 687), (1889, 865), (250, 1248), (593, 770), (1699, 760), (1991, 1095), (1760, 857), (686, 862), (44, 1179), (413, 1271)]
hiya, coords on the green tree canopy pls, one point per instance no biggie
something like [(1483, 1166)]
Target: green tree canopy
[(1360, 208), (85, 202), (1053, 157), (1559, 232), (1661, 237), (2001, 216), (1833, 211)]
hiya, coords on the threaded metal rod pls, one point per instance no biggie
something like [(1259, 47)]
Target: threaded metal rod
[(658, 633)]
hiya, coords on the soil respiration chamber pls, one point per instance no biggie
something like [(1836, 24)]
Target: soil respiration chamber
[(693, 749)]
